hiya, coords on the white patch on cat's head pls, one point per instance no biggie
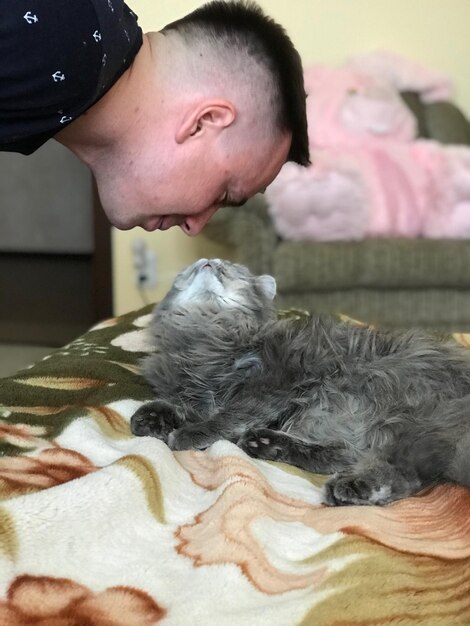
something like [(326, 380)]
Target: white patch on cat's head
[(199, 281), (221, 283)]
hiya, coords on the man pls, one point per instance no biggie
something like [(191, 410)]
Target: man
[(173, 124)]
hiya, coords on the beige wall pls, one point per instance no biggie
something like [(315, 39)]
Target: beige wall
[(434, 32)]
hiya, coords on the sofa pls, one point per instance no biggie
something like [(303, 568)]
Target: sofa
[(394, 283)]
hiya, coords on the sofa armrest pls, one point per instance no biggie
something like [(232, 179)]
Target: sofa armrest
[(416, 106), (441, 121), (446, 123), (250, 230)]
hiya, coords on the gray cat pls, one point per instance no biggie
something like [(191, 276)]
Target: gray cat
[(387, 414)]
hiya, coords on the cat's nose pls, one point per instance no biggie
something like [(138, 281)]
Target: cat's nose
[(213, 263)]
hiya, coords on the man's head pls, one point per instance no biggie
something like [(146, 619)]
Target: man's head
[(233, 45), (222, 111)]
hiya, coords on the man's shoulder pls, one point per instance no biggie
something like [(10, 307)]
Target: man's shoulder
[(56, 60)]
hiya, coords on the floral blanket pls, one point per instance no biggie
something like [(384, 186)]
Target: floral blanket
[(99, 528)]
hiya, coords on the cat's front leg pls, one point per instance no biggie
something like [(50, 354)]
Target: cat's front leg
[(380, 483), (155, 419), (275, 445), (200, 435)]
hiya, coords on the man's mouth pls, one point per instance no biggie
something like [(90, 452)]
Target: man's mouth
[(166, 223), (153, 224)]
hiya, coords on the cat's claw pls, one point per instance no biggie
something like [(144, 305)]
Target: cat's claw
[(261, 444)]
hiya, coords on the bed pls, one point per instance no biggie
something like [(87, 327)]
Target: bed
[(100, 528)]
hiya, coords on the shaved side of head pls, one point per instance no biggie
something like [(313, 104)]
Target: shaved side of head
[(233, 50)]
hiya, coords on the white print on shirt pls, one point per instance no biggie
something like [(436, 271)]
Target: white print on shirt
[(110, 5), (31, 19), (58, 76), (97, 36), (64, 119)]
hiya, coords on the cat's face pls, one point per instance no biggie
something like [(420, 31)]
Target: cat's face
[(220, 285)]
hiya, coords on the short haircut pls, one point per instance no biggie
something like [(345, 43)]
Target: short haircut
[(241, 25)]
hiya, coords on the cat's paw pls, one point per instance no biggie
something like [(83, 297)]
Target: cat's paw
[(261, 444), (189, 438), (351, 489), (155, 419)]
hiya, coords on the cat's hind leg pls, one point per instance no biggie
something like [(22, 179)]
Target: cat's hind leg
[(375, 483), (275, 445)]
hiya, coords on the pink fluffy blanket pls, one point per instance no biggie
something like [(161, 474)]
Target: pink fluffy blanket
[(369, 175)]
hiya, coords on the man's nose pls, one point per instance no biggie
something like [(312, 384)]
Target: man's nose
[(193, 224)]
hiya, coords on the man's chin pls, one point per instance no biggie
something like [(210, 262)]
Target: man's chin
[(127, 222), (119, 222), (124, 223)]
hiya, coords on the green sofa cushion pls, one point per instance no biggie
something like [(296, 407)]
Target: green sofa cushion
[(378, 263)]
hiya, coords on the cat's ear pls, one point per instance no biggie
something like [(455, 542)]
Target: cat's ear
[(268, 285)]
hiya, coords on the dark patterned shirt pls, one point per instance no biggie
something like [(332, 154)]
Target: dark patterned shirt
[(57, 58)]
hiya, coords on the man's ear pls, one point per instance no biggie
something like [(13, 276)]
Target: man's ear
[(206, 116)]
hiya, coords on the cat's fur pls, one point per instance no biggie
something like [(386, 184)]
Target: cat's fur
[(387, 414)]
